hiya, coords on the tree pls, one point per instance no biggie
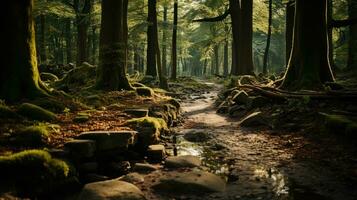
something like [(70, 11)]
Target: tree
[(82, 13), (19, 77), (266, 53), (164, 42), (352, 42), (174, 43), (246, 50), (112, 52), (289, 24), (151, 43), (309, 66)]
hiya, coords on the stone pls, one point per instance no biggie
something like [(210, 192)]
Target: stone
[(144, 167), (132, 178), (81, 148), (241, 98), (156, 152), (195, 182), (255, 119), (111, 140), (136, 112), (185, 161), (111, 190)]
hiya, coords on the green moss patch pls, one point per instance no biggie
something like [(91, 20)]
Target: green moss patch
[(32, 136), (35, 112), (144, 91), (32, 171), (339, 124)]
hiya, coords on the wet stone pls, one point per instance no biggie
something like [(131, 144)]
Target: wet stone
[(156, 152), (185, 161), (81, 148)]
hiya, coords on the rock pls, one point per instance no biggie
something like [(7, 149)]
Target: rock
[(196, 136), (144, 91), (156, 152), (81, 148), (197, 182), (111, 140), (255, 119), (135, 112), (185, 161), (144, 167), (257, 102), (32, 136), (35, 112), (88, 167), (111, 190), (241, 98), (132, 178)]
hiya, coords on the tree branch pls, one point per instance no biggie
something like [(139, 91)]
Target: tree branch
[(214, 19)]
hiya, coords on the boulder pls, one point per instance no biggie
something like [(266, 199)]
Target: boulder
[(32, 136), (132, 178), (35, 112), (81, 148), (111, 140), (111, 190), (185, 161), (137, 112), (156, 152), (195, 182), (255, 119)]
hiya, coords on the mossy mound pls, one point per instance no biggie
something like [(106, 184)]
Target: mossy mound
[(149, 129), (145, 91), (35, 112), (338, 124), (32, 172), (6, 112), (32, 136), (51, 104)]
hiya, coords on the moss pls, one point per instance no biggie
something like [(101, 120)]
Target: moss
[(6, 112), (144, 91), (339, 124), (33, 136), (152, 122), (32, 171), (35, 112)]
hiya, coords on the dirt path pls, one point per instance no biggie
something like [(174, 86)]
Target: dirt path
[(258, 164)]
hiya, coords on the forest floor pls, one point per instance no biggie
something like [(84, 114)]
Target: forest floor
[(262, 163)]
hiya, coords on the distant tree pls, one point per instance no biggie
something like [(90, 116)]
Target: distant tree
[(112, 52), (19, 77), (352, 42), (309, 66), (174, 43), (266, 53), (151, 43), (82, 9), (289, 24)]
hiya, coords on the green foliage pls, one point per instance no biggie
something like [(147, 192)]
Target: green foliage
[(32, 136), (35, 112), (55, 8), (32, 171)]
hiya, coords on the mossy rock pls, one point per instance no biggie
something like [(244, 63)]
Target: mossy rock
[(35, 112), (32, 136), (6, 112), (149, 129), (32, 172), (144, 91), (50, 104)]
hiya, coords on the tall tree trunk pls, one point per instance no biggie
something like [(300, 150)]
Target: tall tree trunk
[(225, 58), (216, 59), (330, 33), (266, 53), (246, 65), (111, 71), (43, 51), (174, 43), (309, 66), (68, 34), (205, 67), (19, 77), (352, 42), (164, 42), (235, 13), (290, 13), (82, 29), (94, 45), (151, 48)]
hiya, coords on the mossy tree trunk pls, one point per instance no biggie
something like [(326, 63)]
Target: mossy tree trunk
[(19, 77), (112, 69), (309, 66), (352, 43)]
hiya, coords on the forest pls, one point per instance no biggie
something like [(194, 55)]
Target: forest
[(178, 100)]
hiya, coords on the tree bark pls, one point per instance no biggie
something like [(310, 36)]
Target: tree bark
[(216, 60), (174, 43), (266, 53), (68, 33), (43, 51), (19, 77), (164, 41), (151, 46), (82, 21), (246, 65), (225, 58), (112, 71), (290, 13), (352, 42), (309, 66)]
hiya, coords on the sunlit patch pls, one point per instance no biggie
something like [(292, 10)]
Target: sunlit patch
[(277, 179)]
